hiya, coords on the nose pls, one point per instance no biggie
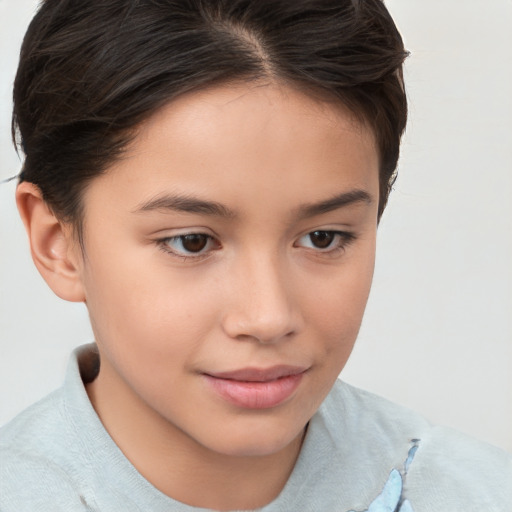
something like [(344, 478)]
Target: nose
[(263, 305)]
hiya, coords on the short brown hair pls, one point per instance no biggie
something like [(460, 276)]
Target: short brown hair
[(91, 71)]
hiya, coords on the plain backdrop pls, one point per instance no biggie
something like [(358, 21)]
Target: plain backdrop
[(437, 335)]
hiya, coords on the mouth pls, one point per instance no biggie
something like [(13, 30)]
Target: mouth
[(256, 388), (260, 374)]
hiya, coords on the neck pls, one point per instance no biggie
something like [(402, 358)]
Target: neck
[(179, 466)]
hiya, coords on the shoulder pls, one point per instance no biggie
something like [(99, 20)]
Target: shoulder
[(34, 448), (371, 416), (29, 480), (45, 452), (30, 431), (442, 469), (453, 471)]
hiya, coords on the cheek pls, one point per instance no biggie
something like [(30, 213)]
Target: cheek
[(146, 313), (145, 324), (338, 305)]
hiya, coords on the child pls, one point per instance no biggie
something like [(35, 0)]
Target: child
[(207, 176)]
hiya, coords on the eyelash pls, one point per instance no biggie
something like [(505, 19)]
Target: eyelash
[(344, 238), (164, 245)]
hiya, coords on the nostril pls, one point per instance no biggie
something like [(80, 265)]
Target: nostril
[(263, 329)]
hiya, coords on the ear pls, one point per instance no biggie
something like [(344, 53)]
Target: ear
[(54, 250)]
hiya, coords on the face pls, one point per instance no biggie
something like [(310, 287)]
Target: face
[(228, 260)]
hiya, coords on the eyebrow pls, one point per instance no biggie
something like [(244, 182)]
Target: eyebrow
[(334, 203), (186, 204), (190, 204)]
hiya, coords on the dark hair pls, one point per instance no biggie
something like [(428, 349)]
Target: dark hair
[(91, 71)]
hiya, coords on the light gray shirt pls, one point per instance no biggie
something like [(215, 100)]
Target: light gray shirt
[(361, 453)]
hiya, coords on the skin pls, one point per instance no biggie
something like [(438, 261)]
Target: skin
[(259, 293)]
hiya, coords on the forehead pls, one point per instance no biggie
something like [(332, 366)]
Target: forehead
[(231, 142), (250, 112)]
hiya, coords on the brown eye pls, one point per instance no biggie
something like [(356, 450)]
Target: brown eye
[(326, 242), (322, 239), (195, 242), (189, 245)]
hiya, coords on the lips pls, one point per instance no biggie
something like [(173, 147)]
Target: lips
[(256, 388)]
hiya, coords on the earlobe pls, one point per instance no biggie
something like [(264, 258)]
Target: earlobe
[(54, 250)]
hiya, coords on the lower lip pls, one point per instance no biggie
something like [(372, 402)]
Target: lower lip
[(255, 395)]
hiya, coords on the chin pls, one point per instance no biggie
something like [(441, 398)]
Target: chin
[(260, 441)]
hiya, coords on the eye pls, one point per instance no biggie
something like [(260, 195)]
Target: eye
[(325, 241), (189, 245)]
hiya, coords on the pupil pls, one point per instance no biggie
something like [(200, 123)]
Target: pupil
[(194, 243), (321, 239)]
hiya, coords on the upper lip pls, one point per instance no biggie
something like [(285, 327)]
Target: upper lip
[(259, 374)]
